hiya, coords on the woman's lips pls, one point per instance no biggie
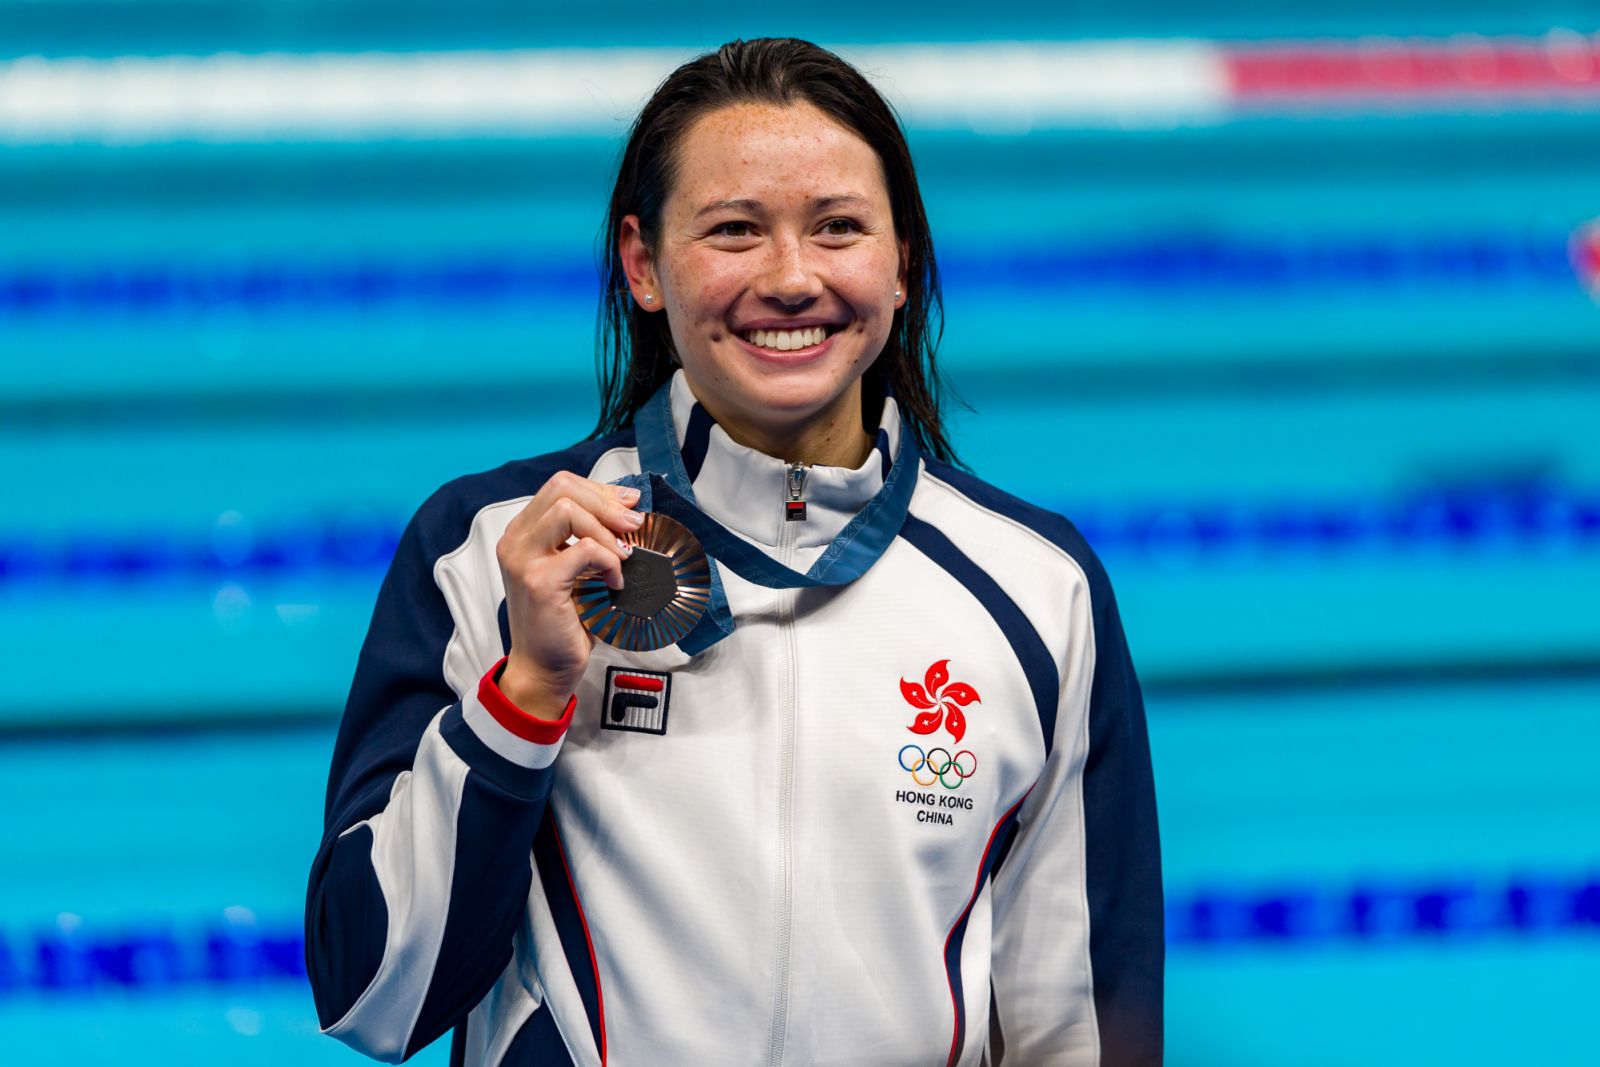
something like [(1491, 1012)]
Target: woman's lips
[(793, 355), (788, 338)]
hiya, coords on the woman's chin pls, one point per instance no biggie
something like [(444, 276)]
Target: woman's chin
[(770, 407)]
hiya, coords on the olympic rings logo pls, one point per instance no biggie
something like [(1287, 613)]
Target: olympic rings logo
[(939, 765)]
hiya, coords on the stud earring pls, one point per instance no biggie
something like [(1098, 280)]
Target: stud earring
[(649, 298), (897, 294)]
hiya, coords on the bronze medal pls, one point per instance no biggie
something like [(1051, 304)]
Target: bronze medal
[(666, 587)]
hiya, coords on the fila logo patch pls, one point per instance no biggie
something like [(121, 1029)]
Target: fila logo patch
[(636, 700)]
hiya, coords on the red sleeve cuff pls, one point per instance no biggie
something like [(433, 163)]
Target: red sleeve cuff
[(519, 722)]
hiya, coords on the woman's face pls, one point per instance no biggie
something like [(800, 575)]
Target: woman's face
[(778, 269)]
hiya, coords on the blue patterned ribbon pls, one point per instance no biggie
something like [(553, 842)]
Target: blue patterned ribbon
[(665, 488)]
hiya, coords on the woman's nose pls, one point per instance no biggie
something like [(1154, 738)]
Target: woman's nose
[(789, 277)]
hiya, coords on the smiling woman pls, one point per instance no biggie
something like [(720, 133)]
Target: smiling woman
[(777, 264), (866, 781), (782, 150)]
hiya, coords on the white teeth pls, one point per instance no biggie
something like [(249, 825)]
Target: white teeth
[(787, 340)]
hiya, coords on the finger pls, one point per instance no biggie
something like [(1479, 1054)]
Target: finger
[(566, 520), (608, 503), (597, 497), (587, 554)]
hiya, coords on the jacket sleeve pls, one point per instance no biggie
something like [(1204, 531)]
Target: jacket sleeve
[(435, 794), (1102, 823)]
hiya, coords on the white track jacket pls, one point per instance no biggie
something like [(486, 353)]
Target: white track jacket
[(907, 820)]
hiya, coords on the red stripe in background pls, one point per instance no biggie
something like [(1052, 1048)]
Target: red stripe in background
[(1563, 64), (1586, 253), (639, 681)]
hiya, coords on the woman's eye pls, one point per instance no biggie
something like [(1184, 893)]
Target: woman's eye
[(734, 229), (839, 227)]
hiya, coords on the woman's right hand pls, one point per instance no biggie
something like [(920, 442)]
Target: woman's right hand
[(549, 646)]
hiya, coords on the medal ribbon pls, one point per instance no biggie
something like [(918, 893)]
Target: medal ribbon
[(666, 489)]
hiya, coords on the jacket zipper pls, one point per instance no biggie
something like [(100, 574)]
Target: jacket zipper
[(794, 504), (794, 509)]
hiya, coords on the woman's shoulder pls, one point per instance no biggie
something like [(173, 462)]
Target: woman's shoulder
[(969, 503)]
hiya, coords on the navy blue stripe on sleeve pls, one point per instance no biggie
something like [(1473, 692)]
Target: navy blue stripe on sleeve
[(1037, 664), (571, 927), (1122, 855), (399, 688), (343, 957), (1122, 849), (488, 886)]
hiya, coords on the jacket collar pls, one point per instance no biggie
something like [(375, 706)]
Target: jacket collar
[(745, 490)]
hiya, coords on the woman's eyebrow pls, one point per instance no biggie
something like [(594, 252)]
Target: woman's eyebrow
[(816, 203), (732, 205), (823, 203)]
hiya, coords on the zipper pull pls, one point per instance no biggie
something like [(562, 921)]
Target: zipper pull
[(794, 508)]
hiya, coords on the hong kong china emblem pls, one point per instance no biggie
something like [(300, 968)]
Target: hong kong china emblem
[(937, 765)]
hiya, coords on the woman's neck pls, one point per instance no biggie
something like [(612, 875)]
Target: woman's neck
[(832, 439), (829, 446)]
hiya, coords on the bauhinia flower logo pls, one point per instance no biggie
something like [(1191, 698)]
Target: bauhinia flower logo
[(942, 699)]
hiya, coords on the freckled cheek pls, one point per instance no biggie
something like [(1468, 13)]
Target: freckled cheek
[(703, 296), (869, 284)]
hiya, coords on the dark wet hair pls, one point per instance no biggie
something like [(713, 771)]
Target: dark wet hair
[(634, 351)]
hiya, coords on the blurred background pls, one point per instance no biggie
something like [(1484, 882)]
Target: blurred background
[(1288, 304)]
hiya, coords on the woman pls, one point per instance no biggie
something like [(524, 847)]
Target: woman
[(889, 802)]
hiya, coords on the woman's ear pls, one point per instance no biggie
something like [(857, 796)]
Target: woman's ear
[(638, 264), (900, 280)]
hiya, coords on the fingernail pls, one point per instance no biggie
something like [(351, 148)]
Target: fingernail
[(634, 518), (623, 547), (627, 494)]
